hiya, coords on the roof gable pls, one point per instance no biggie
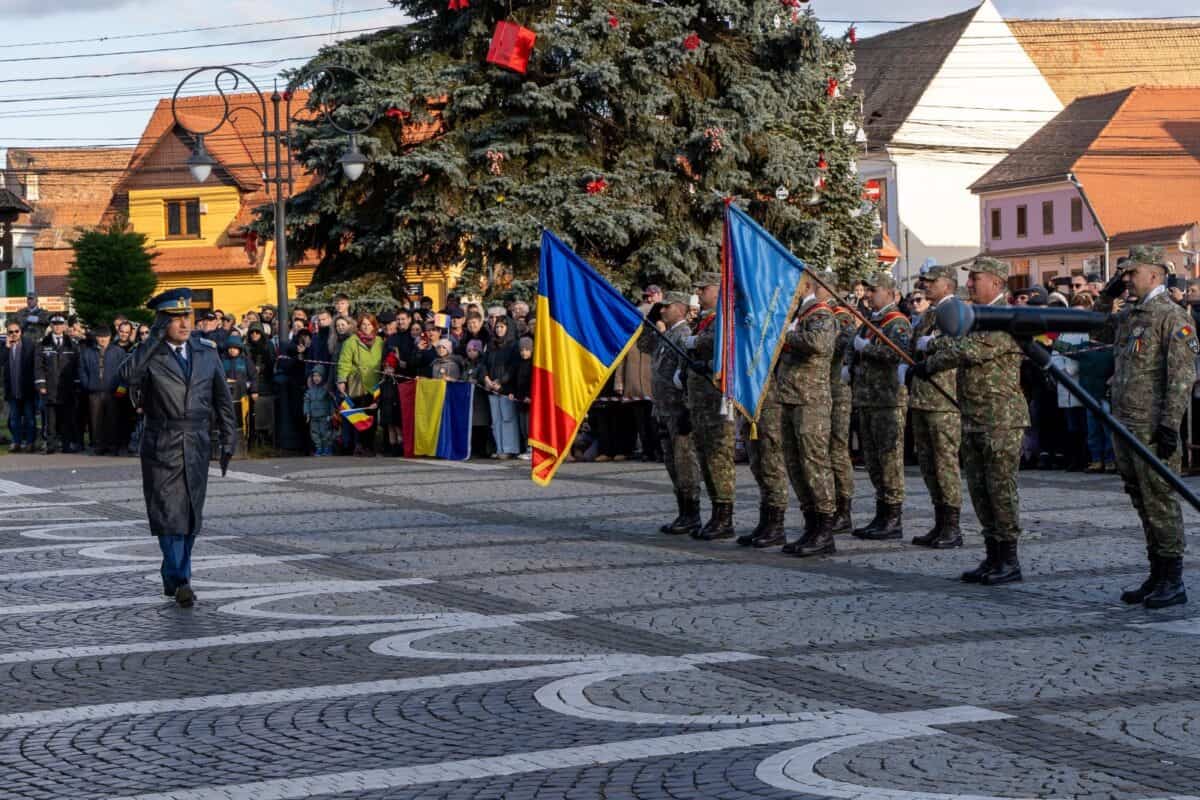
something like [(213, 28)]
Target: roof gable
[(76, 188)]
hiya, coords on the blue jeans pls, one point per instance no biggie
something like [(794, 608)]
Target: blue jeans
[(22, 420), (505, 428), (177, 560), (1100, 446)]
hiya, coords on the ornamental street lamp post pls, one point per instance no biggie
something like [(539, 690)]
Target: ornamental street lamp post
[(277, 155)]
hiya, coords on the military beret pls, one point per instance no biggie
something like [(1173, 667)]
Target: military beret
[(707, 279), (172, 301), (1146, 254), (935, 271), (671, 298), (58, 319), (880, 280), (991, 266)]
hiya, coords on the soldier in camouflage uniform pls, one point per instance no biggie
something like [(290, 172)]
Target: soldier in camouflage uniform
[(881, 400), (668, 370), (936, 424), (839, 431), (1155, 347), (770, 472), (994, 418), (804, 391), (712, 431)]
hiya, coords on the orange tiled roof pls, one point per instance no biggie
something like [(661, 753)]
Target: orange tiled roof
[(74, 187), (202, 259), (1081, 57)]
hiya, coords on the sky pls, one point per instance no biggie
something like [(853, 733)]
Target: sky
[(113, 110)]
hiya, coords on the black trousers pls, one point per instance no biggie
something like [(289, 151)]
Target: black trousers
[(102, 419), (60, 425)]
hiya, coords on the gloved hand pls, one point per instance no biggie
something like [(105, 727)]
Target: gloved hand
[(684, 423), (917, 371), (860, 344), (1165, 440), (677, 379), (1115, 287), (923, 343), (902, 373), (846, 375), (226, 457)]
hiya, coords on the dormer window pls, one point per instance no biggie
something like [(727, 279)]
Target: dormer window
[(183, 219)]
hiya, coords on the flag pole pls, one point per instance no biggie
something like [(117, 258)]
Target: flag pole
[(875, 330)]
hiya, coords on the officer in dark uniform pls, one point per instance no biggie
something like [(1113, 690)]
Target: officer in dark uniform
[(177, 382), (56, 377)]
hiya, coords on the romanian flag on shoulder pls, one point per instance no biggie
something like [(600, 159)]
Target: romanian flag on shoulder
[(584, 328)]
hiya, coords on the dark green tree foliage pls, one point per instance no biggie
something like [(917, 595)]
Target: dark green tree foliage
[(112, 274), (612, 93)]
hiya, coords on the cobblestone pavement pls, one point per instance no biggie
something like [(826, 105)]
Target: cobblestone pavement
[(396, 629)]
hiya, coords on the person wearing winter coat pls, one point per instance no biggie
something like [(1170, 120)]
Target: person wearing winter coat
[(359, 365), (499, 372), (481, 414), (446, 365), (56, 376), (318, 411), (522, 391), (99, 375)]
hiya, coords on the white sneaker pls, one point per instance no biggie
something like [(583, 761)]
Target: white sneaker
[(525, 456)]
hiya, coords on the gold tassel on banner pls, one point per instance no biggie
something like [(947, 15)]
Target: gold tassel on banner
[(754, 431)]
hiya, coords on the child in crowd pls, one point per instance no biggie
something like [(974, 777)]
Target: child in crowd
[(522, 387), (318, 410), (446, 366)]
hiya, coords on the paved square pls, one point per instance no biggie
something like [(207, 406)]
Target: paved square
[(398, 629)]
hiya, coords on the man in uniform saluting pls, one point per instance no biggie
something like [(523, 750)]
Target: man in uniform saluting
[(177, 382)]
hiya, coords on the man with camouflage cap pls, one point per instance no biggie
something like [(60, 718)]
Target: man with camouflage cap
[(881, 400), (994, 418), (668, 372), (839, 429), (936, 424), (712, 431), (1154, 341)]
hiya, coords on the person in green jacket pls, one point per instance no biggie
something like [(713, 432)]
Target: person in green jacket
[(358, 375)]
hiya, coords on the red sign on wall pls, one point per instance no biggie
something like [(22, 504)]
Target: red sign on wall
[(871, 191)]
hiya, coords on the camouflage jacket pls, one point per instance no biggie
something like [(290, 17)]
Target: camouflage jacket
[(802, 374), (921, 395), (989, 377), (845, 336), (664, 363), (1154, 342), (701, 387), (873, 369)]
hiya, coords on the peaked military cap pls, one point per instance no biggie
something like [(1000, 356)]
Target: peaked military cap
[(172, 301), (935, 271), (880, 280), (991, 266), (58, 319), (1145, 254), (677, 297), (707, 279)]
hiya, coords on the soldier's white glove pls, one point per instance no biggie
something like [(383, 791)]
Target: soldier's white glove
[(901, 372), (846, 375), (923, 343), (689, 342), (860, 344), (677, 379)]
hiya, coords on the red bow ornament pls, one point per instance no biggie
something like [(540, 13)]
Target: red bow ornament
[(691, 41), (597, 186)]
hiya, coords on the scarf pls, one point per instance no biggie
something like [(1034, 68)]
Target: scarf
[(367, 341)]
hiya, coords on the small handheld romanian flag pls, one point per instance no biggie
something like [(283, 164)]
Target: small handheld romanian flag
[(584, 329), (360, 418)]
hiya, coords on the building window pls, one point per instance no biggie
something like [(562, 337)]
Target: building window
[(1022, 221), (996, 223), (183, 219), (1076, 214), (1048, 217), (202, 299)]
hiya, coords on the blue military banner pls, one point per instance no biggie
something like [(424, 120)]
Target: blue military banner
[(763, 278)]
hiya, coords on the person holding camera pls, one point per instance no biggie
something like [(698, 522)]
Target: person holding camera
[(668, 388), (1154, 342), (177, 383)]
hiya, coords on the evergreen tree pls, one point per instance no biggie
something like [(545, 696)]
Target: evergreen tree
[(112, 274), (633, 122)]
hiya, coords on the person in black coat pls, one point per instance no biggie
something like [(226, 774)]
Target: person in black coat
[(16, 365), (178, 383), (56, 376), (99, 374)]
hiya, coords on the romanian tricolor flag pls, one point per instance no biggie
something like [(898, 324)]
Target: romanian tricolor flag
[(435, 417), (360, 418), (584, 329)]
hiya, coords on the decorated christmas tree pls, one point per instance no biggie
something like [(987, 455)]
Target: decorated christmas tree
[(622, 126)]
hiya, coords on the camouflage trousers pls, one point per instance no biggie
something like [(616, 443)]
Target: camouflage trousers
[(712, 434), (806, 450), (990, 462), (766, 452), (882, 431), (839, 449), (679, 455), (936, 436), (1153, 499)]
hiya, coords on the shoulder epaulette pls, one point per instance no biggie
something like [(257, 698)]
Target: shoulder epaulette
[(208, 342)]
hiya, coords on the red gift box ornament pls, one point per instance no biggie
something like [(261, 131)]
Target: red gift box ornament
[(398, 114), (511, 46), (831, 88), (613, 22), (459, 5), (691, 41), (822, 164), (597, 186)]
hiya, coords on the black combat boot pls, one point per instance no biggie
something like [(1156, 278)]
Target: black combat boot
[(721, 524), (1170, 590), (810, 522), (1135, 596), (747, 539), (820, 541), (772, 533), (1008, 567), (689, 517), (928, 539), (892, 526), (668, 527), (875, 524), (987, 565), (842, 521), (950, 533)]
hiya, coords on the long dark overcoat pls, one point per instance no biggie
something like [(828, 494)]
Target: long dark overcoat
[(176, 445)]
